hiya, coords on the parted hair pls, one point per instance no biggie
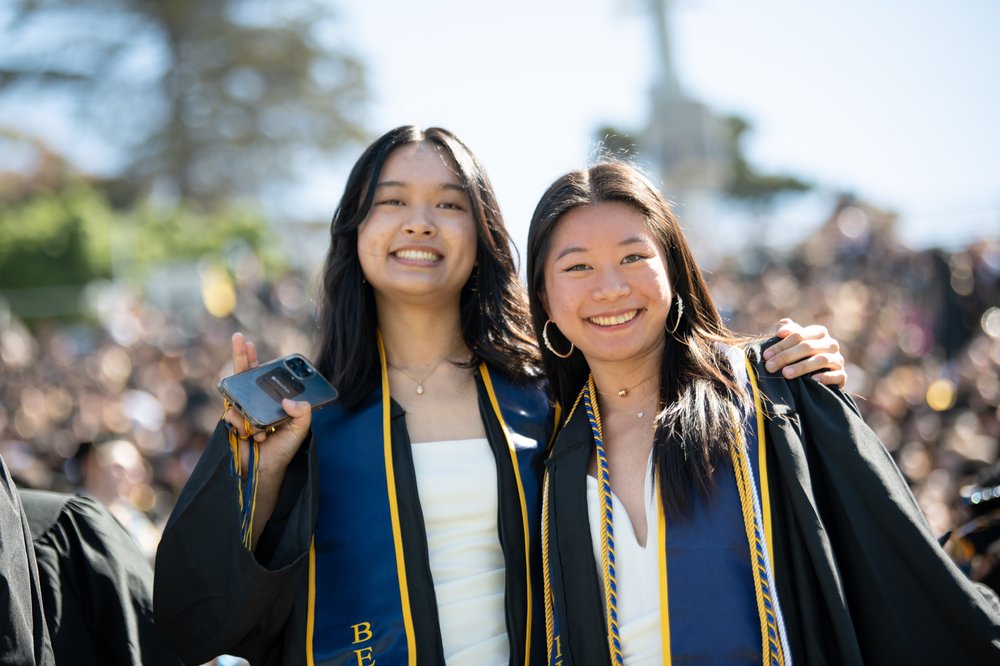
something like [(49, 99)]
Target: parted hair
[(697, 385), (494, 312)]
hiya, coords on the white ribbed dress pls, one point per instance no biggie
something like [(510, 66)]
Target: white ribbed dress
[(457, 484)]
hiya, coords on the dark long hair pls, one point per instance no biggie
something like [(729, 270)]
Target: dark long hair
[(697, 386), (494, 312)]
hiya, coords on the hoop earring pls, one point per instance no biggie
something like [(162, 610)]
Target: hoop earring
[(548, 345), (680, 313)]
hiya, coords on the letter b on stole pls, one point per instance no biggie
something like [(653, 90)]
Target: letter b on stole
[(363, 634)]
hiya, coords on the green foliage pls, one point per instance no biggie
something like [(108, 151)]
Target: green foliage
[(52, 244), (56, 239), (155, 235)]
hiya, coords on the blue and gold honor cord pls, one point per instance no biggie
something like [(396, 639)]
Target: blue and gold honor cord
[(607, 525), (772, 633), (246, 489)]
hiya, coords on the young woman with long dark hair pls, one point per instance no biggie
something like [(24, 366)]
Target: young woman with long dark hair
[(734, 517)]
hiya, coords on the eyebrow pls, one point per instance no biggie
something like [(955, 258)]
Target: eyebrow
[(631, 240), (442, 186)]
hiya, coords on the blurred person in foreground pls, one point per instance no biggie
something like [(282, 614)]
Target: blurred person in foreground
[(96, 585), (399, 525), (696, 507), (111, 472)]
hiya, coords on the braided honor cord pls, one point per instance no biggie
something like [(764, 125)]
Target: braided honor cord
[(607, 525)]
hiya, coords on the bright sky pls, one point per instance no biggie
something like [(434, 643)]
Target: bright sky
[(898, 100), (895, 100)]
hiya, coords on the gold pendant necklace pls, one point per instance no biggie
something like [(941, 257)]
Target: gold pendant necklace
[(418, 382), (623, 392)]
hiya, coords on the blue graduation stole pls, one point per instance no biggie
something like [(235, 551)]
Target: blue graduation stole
[(716, 599), (359, 610)]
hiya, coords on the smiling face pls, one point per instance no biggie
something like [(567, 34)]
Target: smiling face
[(418, 242), (606, 283)]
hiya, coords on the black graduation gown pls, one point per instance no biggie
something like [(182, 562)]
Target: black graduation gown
[(212, 596), (24, 637), (97, 586), (860, 577)]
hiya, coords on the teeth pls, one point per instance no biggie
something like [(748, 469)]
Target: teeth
[(615, 320), (418, 255)]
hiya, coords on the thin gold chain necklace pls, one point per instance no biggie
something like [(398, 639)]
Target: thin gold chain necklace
[(419, 382), (623, 392)]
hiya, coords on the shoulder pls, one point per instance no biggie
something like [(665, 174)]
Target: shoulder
[(42, 509), (45, 510), (81, 515)]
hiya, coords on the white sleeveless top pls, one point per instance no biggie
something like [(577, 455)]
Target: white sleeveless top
[(636, 573), (457, 484)]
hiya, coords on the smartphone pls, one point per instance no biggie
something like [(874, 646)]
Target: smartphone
[(257, 393)]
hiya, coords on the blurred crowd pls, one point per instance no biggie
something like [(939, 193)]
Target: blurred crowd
[(920, 331), (121, 406)]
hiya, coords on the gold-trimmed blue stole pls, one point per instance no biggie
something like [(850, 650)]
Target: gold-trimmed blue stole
[(359, 610), (361, 602)]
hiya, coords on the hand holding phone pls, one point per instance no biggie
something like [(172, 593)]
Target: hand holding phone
[(289, 434), (258, 392), (281, 444)]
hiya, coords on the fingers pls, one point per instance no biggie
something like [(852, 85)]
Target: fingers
[(832, 378), (794, 363), (238, 422), (803, 350), (822, 353), (252, 354), (301, 413), (815, 337), (821, 356), (244, 354), (802, 342), (240, 361), (786, 327)]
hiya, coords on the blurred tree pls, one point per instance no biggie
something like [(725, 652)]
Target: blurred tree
[(72, 236), (208, 99), (745, 183), (58, 233), (55, 239)]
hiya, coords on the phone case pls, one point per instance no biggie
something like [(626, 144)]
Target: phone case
[(258, 392)]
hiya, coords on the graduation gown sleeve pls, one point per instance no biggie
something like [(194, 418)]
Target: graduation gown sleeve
[(211, 595), (24, 637), (860, 575), (97, 586)]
